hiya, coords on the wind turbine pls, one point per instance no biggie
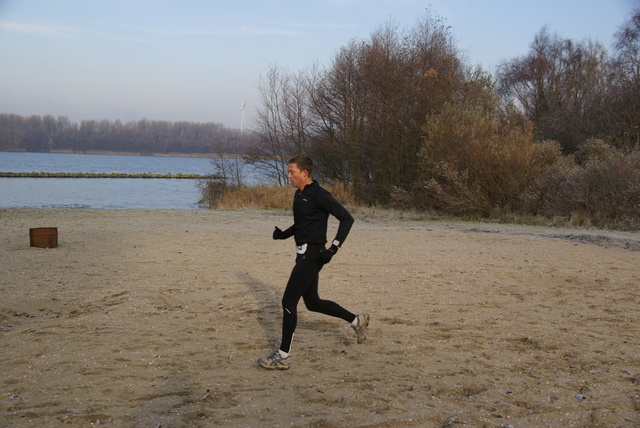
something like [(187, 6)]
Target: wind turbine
[(242, 105)]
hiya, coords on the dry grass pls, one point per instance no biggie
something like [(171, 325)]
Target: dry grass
[(223, 197), (260, 197)]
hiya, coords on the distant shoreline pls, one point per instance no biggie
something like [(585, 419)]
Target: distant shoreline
[(106, 152), (34, 174)]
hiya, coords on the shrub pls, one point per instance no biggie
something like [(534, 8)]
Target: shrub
[(541, 193), (601, 189), (212, 191), (594, 150), (475, 163), (605, 191)]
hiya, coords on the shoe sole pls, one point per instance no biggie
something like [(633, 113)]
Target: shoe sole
[(366, 327), (268, 367)]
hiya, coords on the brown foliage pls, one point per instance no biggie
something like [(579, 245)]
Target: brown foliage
[(602, 190), (493, 168), (405, 121), (365, 112), (475, 163)]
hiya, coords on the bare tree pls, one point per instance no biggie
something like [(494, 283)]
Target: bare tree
[(560, 86), (625, 83), (337, 103), (282, 122), (370, 105)]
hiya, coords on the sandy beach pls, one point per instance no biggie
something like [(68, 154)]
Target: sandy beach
[(155, 318)]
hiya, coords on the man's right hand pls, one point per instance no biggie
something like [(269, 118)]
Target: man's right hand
[(278, 234)]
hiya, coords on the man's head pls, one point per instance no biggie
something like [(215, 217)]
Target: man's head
[(300, 171)]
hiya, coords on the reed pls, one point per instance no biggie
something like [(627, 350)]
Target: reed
[(224, 197)]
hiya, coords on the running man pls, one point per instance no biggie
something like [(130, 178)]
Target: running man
[(311, 208)]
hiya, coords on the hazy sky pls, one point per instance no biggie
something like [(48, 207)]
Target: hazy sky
[(196, 60)]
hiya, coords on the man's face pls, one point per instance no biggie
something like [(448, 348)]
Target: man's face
[(298, 178)]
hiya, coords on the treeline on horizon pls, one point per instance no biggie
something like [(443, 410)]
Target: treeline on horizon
[(48, 133), (404, 121)]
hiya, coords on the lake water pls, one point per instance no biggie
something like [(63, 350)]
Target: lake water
[(107, 193)]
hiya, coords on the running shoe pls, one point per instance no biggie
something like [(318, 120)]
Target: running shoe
[(361, 328), (274, 361)]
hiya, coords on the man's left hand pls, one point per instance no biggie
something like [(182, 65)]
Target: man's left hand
[(326, 255)]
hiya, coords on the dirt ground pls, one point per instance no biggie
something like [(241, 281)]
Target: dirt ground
[(156, 318)]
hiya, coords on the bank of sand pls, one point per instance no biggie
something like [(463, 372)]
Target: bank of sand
[(156, 318)]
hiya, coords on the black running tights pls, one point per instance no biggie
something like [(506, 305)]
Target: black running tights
[(303, 282)]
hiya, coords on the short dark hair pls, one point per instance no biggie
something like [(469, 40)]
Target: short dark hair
[(303, 162)]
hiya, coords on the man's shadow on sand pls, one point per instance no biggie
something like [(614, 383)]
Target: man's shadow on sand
[(269, 310)]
